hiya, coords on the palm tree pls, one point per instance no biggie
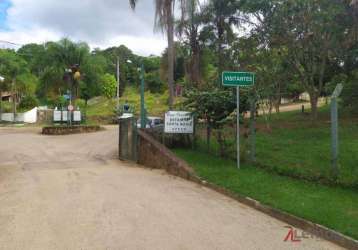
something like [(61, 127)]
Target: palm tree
[(66, 54), (189, 29), (220, 16), (164, 19)]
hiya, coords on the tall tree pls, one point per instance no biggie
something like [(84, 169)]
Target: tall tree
[(60, 56), (312, 33), (188, 28), (164, 19), (34, 54), (220, 17), (120, 54), (12, 66)]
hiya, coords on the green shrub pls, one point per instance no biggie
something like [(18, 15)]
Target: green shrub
[(59, 102), (29, 102), (109, 85), (153, 82), (6, 107), (80, 103)]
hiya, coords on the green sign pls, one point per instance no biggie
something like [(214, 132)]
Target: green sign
[(237, 79)]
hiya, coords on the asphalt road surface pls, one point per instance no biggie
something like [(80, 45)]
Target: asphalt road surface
[(69, 192)]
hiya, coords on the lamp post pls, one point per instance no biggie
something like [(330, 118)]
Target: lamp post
[(142, 106), (69, 77), (118, 80), (73, 74)]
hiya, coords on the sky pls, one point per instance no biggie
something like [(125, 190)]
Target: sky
[(100, 23)]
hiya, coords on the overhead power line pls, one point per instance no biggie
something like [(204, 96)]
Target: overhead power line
[(12, 43), (9, 45)]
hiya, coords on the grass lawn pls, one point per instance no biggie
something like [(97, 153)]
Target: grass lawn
[(101, 107), (155, 103), (295, 146), (335, 208), (298, 146), (306, 152)]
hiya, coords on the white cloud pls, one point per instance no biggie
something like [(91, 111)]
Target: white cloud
[(101, 23)]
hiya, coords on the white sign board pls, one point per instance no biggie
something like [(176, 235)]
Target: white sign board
[(57, 116), (179, 122), (126, 116), (77, 116), (64, 116)]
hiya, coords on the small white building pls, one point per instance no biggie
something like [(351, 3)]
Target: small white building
[(6, 96), (27, 117), (305, 97)]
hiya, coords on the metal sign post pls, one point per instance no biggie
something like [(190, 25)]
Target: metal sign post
[(253, 129), (334, 128), (238, 79), (70, 108), (238, 125)]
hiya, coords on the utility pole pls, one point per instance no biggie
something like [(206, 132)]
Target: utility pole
[(253, 129), (14, 99), (238, 126)]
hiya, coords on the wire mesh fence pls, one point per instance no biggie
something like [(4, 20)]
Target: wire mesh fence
[(292, 143)]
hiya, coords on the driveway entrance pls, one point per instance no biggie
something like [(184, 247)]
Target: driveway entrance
[(70, 192)]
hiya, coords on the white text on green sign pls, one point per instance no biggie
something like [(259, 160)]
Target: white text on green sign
[(238, 79)]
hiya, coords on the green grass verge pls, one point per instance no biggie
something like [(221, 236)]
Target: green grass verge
[(300, 147), (295, 146), (100, 108), (335, 208), (155, 103), (306, 152)]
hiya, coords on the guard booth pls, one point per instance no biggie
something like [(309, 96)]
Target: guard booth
[(127, 147)]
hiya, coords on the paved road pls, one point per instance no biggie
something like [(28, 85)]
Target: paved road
[(70, 193), (293, 107)]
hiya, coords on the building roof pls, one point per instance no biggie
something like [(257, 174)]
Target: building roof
[(6, 94)]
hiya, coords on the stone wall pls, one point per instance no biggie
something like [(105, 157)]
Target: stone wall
[(153, 154), (66, 130)]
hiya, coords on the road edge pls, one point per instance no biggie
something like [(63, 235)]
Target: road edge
[(154, 155)]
